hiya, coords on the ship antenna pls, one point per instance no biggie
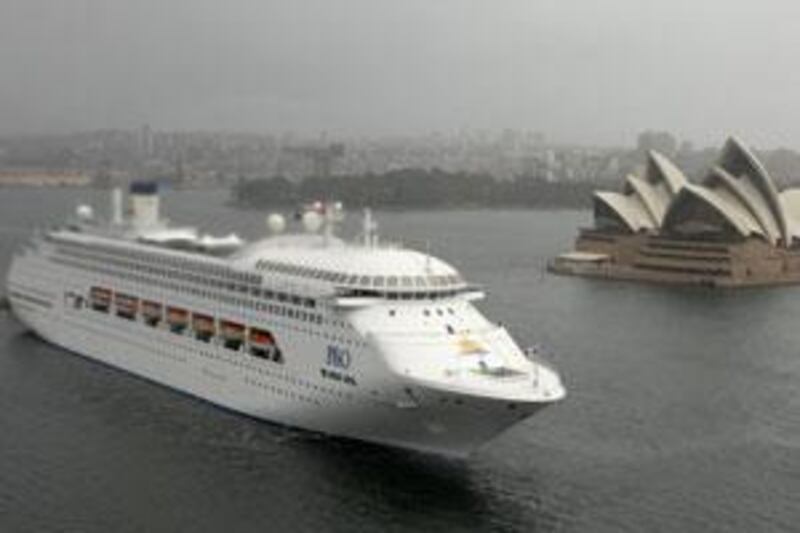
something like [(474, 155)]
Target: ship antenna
[(427, 255), (370, 227), (328, 221), (116, 206), (333, 212)]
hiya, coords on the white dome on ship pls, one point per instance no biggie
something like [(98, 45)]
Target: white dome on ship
[(380, 268)]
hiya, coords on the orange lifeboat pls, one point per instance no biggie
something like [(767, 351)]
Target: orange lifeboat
[(262, 345), (152, 312), (232, 334), (127, 305), (203, 326), (100, 299), (177, 319), (261, 337)]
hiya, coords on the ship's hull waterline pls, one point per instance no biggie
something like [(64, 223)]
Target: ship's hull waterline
[(210, 374)]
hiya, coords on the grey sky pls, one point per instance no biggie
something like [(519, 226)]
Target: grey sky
[(584, 71)]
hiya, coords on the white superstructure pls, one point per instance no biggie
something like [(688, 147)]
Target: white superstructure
[(361, 340)]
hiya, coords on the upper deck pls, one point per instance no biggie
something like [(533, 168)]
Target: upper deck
[(317, 259), (310, 262)]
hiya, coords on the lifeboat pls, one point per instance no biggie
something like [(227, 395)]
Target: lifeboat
[(262, 345), (127, 305), (203, 326), (261, 337), (232, 334), (100, 299), (177, 319), (152, 312)]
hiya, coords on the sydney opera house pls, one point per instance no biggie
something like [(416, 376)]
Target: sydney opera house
[(735, 228)]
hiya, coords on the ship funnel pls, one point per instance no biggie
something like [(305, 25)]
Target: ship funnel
[(144, 204), (116, 206)]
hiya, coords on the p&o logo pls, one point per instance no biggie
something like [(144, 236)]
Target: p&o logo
[(338, 357)]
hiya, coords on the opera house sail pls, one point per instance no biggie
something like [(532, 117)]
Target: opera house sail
[(734, 228)]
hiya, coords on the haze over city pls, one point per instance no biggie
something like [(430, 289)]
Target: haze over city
[(590, 73)]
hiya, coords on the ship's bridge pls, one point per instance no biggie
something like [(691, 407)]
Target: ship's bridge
[(359, 269)]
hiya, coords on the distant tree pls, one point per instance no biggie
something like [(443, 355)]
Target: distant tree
[(416, 188)]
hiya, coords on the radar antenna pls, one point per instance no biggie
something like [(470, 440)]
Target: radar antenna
[(370, 229), (428, 256)]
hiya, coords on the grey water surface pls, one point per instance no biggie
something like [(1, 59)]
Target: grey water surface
[(683, 411)]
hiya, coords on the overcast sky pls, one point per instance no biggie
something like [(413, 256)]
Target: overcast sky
[(578, 70)]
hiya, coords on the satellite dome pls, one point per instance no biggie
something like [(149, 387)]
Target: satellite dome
[(276, 223), (312, 221), (84, 212)]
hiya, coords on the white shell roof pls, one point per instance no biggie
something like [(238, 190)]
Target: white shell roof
[(646, 198), (738, 187), (725, 203), (749, 197), (628, 207), (745, 166), (653, 202), (662, 169)]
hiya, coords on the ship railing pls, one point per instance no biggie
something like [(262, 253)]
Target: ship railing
[(407, 333), (541, 356)]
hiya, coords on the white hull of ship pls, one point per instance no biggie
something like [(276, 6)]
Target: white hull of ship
[(431, 420)]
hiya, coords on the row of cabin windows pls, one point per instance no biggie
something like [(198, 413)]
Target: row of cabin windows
[(183, 263), (412, 295), (363, 280), (231, 282), (275, 309), (427, 312), (257, 292)]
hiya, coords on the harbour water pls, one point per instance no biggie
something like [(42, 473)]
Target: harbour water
[(683, 411)]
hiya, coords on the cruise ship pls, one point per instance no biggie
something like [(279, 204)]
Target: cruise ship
[(358, 339)]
